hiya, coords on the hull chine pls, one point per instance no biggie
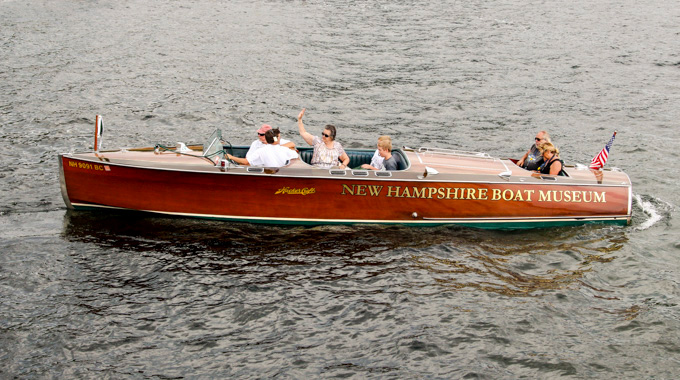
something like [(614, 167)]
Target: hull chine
[(480, 223)]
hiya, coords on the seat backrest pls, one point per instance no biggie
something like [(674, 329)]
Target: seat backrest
[(356, 157), (401, 160), (306, 155)]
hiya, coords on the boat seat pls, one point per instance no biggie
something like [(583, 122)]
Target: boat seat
[(401, 160), (356, 158), (306, 155)]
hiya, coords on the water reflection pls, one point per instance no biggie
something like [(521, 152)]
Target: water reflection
[(527, 263), (188, 236), (512, 263)]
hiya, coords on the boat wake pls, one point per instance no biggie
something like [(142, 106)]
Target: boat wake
[(654, 208)]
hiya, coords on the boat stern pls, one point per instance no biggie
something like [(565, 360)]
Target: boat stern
[(62, 182)]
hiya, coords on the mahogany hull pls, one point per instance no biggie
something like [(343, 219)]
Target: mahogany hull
[(303, 196)]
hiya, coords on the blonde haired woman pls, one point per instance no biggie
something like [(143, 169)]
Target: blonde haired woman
[(552, 164)]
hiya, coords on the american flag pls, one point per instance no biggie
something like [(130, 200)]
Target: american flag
[(598, 162)]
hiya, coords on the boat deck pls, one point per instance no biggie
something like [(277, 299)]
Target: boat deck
[(415, 163)]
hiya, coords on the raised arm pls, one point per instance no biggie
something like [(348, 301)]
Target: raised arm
[(309, 139)]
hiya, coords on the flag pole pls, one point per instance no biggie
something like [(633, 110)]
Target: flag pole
[(601, 158), (98, 131)]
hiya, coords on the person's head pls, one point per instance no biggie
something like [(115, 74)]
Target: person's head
[(542, 137), (384, 146), (328, 133), (548, 150), (263, 129), (277, 135), (269, 137)]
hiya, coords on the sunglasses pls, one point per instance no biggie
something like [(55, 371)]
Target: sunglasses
[(261, 134), (537, 139), (325, 135)]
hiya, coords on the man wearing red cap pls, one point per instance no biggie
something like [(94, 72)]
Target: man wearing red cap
[(269, 155), (259, 143)]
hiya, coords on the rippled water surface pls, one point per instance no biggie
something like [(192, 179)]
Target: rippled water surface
[(118, 295)]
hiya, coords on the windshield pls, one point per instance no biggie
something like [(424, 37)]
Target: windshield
[(213, 145)]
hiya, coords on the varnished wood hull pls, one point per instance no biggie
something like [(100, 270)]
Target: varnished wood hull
[(304, 195)]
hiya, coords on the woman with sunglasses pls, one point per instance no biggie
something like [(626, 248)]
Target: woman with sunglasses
[(551, 160), (532, 159), (327, 152)]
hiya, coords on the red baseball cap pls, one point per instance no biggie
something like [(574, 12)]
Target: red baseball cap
[(264, 128)]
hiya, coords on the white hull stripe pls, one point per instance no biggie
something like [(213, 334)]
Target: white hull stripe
[(379, 221)]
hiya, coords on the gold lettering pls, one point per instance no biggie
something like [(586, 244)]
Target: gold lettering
[(519, 197), (587, 193), (304, 191), (470, 193), (567, 196), (544, 197), (375, 190), (344, 187), (449, 192), (72, 164), (419, 193), (555, 192)]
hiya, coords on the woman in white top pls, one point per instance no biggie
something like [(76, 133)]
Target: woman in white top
[(269, 155), (327, 152)]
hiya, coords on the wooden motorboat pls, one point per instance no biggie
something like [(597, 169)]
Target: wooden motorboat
[(432, 187)]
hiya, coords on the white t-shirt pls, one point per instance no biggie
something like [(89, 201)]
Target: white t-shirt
[(378, 161), (257, 144), (271, 156)]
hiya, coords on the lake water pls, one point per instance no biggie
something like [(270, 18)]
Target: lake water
[(121, 295)]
